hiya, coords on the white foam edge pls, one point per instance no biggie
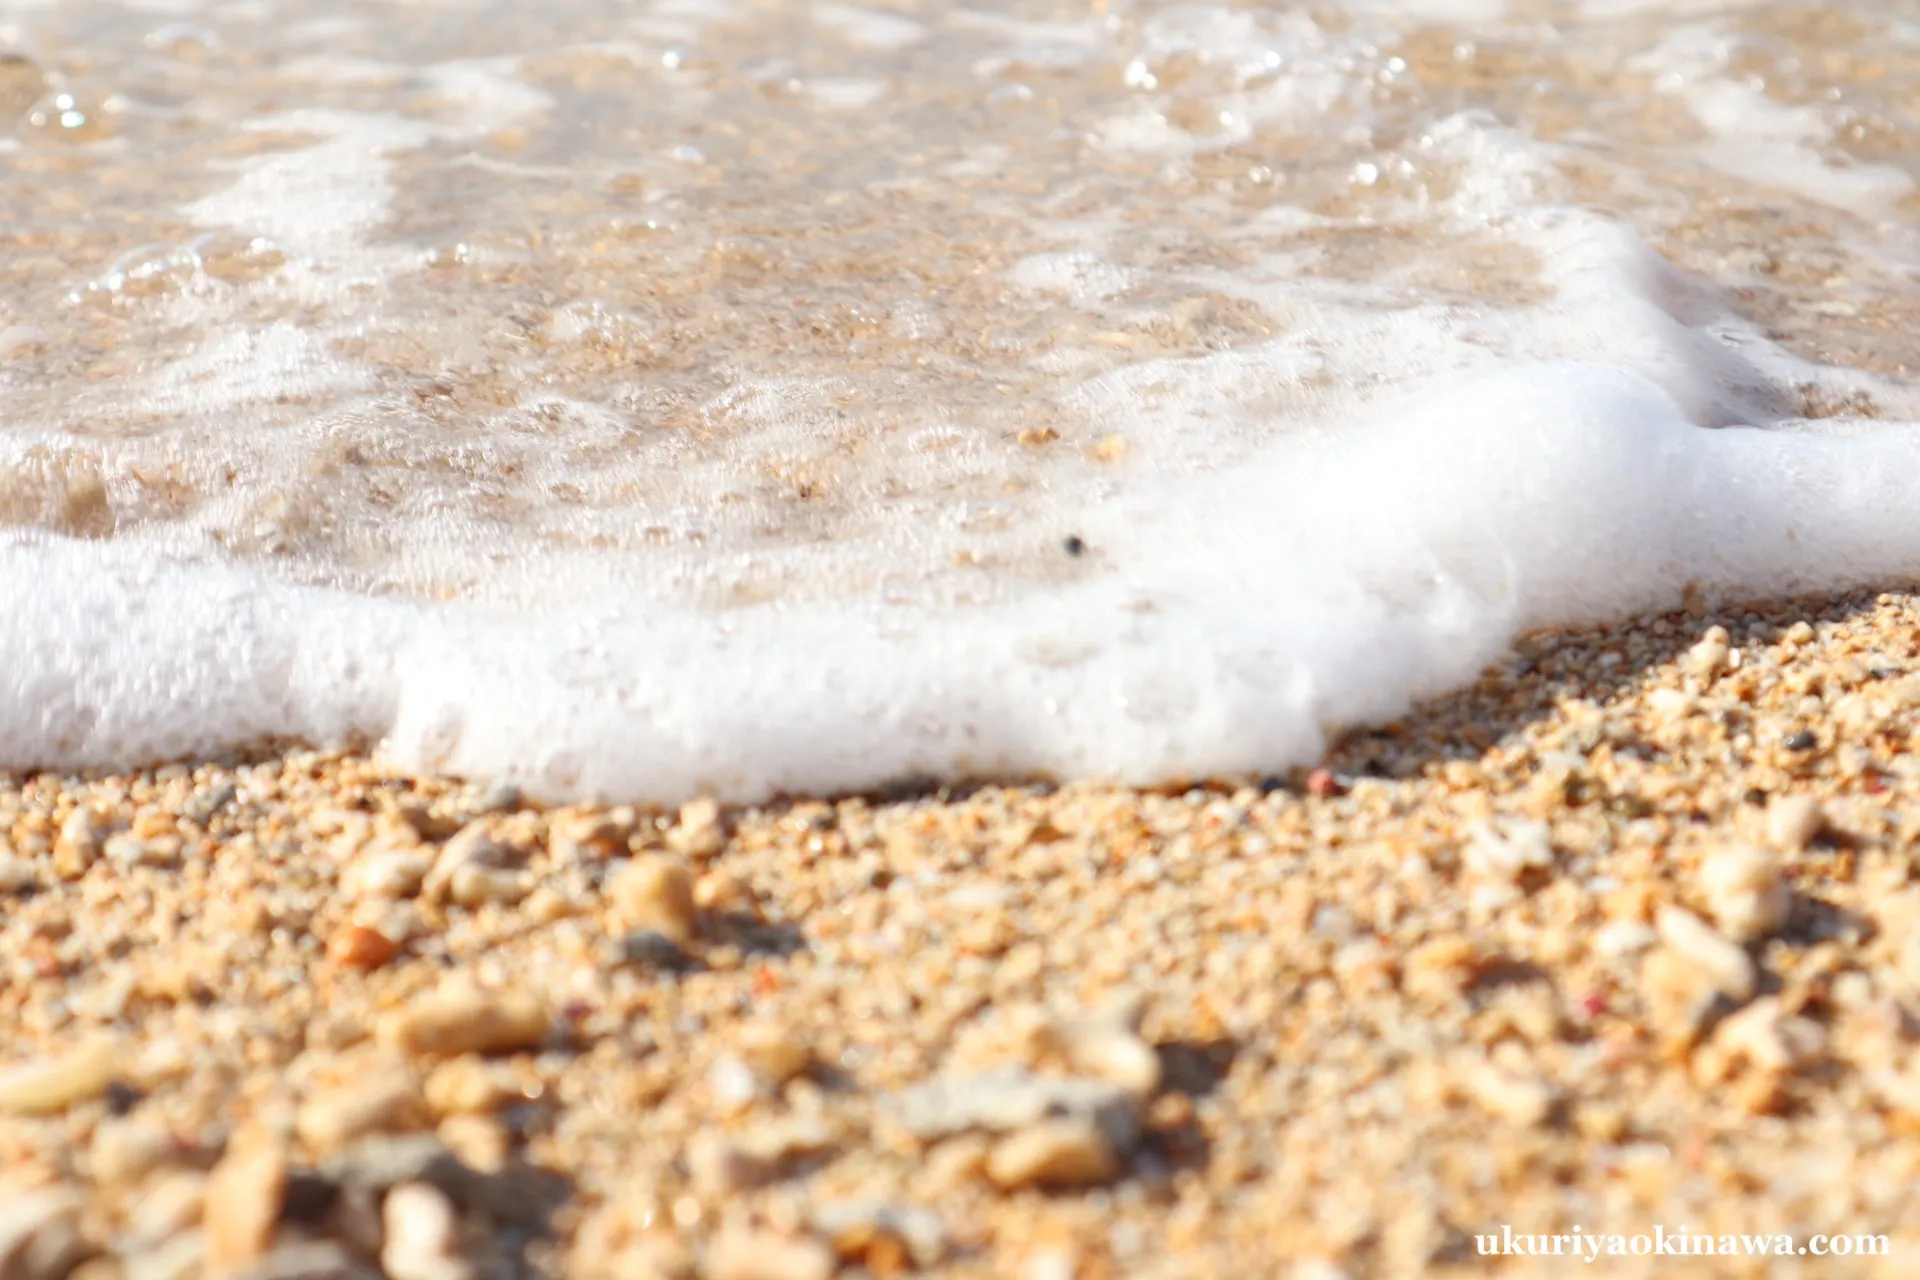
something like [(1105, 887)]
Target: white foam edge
[(1331, 582)]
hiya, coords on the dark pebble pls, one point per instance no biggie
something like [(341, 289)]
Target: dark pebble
[(650, 950), (203, 807)]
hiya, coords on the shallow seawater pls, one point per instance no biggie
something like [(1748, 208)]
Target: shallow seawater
[(634, 399)]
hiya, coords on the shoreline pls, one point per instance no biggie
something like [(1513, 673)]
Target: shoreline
[(1441, 990)]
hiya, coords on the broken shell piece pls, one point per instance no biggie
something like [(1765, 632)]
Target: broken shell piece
[(1506, 851)]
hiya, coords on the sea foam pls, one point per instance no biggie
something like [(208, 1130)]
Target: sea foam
[(1320, 585)]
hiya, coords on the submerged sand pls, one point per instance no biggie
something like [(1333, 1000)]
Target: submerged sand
[(301, 1016)]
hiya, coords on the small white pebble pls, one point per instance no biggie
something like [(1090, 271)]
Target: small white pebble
[(1316, 1269), (125, 1150), (474, 852), (587, 838), (471, 885), (742, 1254), (468, 1085), (1061, 1262), (1766, 1038), (1623, 938), (383, 1098), (422, 1235), (392, 874), (461, 1019), (776, 1053), (1671, 704), (1728, 967), (16, 874), (1745, 893), (80, 843), (1053, 1153), (1506, 851), (1793, 822), (1902, 693), (167, 1203), (732, 1082), (46, 1086), (656, 892), (1105, 1043), (699, 833), (1709, 654), (1520, 1101), (1852, 990)]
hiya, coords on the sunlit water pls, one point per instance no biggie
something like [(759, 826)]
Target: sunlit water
[(635, 399)]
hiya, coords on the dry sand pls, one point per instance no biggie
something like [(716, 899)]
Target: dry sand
[(1624, 936)]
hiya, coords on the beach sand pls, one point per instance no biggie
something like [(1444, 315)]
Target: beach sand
[(1621, 938)]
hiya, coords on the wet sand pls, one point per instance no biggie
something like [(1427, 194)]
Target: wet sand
[(1623, 936)]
